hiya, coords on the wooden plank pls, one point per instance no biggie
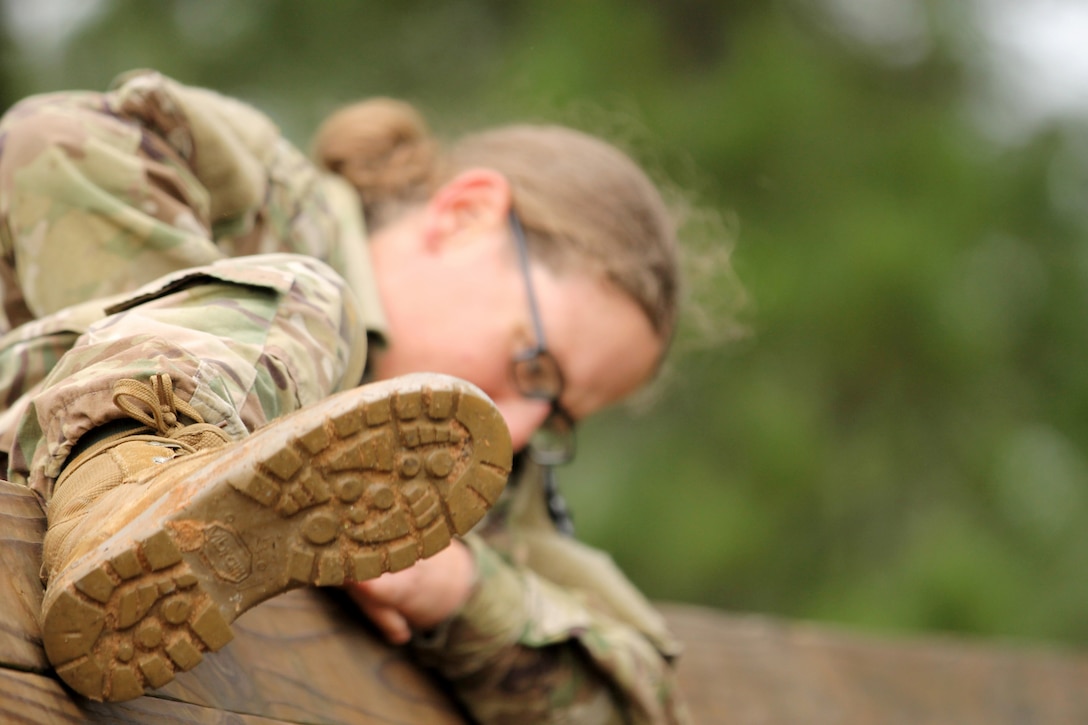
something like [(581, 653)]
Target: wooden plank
[(308, 655), (749, 669), (22, 526), (35, 699)]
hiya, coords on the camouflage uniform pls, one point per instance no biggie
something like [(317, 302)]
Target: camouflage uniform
[(163, 228)]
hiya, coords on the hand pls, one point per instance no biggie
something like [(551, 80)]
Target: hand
[(419, 597)]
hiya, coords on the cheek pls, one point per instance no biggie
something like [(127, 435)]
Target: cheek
[(458, 355), (480, 356), (461, 351), (523, 417), (490, 373), (466, 346)]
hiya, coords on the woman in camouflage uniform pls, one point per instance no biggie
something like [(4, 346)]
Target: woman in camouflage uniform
[(177, 277)]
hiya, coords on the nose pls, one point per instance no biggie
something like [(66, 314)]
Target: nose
[(523, 416)]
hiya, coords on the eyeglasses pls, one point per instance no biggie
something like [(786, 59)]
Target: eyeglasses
[(537, 375)]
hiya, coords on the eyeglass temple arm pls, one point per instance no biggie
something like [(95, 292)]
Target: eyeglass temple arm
[(523, 260)]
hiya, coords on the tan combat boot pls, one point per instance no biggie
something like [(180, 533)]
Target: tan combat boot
[(157, 542)]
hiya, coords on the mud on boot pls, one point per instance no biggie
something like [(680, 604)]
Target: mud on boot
[(367, 481)]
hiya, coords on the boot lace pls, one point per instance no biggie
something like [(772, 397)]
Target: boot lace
[(136, 398), (152, 404)]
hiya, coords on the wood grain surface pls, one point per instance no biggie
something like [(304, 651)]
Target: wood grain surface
[(307, 657)]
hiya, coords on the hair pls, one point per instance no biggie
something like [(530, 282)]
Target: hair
[(584, 204)]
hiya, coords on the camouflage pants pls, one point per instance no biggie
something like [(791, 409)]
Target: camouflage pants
[(109, 271)]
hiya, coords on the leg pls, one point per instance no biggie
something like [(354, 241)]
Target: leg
[(361, 483), (171, 540), (245, 341)]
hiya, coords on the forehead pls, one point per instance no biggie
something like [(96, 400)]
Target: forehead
[(602, 340)]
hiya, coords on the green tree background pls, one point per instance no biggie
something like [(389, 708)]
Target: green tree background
[(899, 441)]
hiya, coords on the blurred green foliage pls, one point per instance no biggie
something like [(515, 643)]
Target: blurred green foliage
[(899, 442)]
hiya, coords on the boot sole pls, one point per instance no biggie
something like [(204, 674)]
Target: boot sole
[(365, 482)]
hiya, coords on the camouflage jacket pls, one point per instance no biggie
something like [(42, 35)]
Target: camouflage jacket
[(161, 211)]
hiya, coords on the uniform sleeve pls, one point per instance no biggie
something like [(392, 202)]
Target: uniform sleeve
[(526, 650)]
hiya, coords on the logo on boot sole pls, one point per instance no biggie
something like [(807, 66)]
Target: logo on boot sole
[(227, 554)]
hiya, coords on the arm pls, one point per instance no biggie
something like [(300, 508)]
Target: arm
[(518, 648), (523, 649), (529, 625)]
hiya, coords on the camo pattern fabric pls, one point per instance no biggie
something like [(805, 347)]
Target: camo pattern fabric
[(553, 632), (163, 228)]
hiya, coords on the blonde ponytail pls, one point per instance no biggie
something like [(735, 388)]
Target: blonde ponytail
[(383, 148)]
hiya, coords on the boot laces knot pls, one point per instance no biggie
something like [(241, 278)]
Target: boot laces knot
[(136, 398)]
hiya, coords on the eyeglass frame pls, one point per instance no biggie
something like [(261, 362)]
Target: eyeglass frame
[(559, 423)]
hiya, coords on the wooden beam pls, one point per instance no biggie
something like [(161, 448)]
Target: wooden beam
[(308, 656)]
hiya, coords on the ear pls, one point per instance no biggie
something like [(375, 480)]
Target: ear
[(473, 201)]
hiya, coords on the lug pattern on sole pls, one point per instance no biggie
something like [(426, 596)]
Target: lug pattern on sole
[(131, 622), (326, 497), (379, 487)]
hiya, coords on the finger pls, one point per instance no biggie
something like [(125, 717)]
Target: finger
[(390, 623), (388, 589)]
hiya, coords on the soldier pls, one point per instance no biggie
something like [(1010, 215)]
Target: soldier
[(229, 371)]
